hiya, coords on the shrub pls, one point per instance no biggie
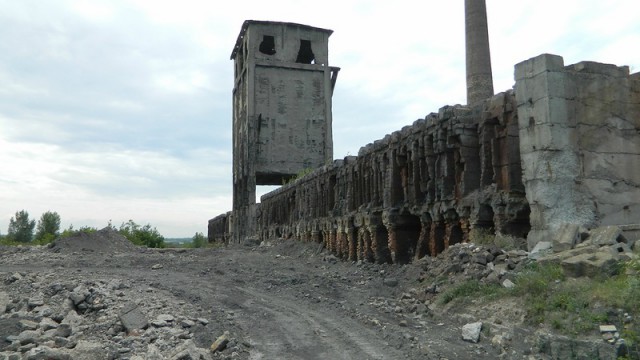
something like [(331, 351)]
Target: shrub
[(142, 235), (198, 240)]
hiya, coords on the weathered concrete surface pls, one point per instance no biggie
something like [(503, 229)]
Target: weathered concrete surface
[(281, 110), (580, 143), (567, 137), (413, 193)]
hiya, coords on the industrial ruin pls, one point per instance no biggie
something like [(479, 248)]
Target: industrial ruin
[(561, 148)]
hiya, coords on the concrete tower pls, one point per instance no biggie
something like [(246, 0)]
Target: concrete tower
[(479, 76), (281, 110)]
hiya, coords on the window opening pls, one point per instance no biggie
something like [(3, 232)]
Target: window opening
[(268, 45), (305, 54)]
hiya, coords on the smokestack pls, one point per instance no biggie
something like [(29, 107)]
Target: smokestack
[(479, 75)]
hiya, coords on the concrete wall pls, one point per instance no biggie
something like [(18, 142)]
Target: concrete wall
[(413, 193), (580, 143), (563, 147)]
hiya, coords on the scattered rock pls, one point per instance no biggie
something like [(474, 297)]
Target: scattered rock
[(5, 300), (601, 262), (132, 318), (566, 237), (471, 332), (220, 343), (508, 284), (391, 282), (606, 235)]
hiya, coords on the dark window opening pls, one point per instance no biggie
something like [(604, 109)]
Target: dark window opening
[(305, 54), (268, 45)]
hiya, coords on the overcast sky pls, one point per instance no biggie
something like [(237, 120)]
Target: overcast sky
[(121, 109)]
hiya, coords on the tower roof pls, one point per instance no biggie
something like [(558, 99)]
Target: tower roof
[(246, 24)]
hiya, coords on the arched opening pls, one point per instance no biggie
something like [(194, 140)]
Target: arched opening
[(365, 246), (381, 240), (407, 230), (437, 237)]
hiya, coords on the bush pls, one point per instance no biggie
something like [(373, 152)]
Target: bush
[(142, 235), (198, 240), (71, 232)]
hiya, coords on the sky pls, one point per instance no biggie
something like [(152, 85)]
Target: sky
[(121, 109)]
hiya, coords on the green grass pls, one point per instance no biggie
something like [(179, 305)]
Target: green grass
[(482, 236), (570, 306), (471, 288)]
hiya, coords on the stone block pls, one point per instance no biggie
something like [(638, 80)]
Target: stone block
[(541, 249), (132, 318), (606, 235), (557, 258), (602, 262), (536, 236), (538, 65), (566, 237), (471, 332), (592, 67)]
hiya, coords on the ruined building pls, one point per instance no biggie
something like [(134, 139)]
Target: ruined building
[(281, 109), (562, 147)]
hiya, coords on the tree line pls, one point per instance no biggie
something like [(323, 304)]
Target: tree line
[(21, 231)]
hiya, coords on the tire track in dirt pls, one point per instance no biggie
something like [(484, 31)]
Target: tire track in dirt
[(287, 327)]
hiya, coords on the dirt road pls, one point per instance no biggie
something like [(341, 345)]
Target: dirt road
[(280, 300)]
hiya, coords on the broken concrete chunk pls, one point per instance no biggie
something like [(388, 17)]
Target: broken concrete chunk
[(391, 282), (471, 332), (566, 237), (4, 301), (591, 264), (606, 235), (221, 342), (541, 249), (132, 318), (608, 328), (508, 284)]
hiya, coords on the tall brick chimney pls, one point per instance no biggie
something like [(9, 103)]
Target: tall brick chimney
[(479, 76)]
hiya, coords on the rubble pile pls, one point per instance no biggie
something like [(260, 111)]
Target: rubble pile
[(106, 319)]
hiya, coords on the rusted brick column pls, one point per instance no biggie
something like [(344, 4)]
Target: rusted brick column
[(465, 225), (340, 240), (422, 248), (351, 243), (392, 242), (436, 241), (332, 240)]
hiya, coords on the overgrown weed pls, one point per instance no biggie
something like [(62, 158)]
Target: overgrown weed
[(570, 306)]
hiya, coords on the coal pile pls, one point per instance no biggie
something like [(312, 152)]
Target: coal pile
[(106, 240)]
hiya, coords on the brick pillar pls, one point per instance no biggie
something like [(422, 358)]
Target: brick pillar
[(392, 242), (351, 243), (422, 248)]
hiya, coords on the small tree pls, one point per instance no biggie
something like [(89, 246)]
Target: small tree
[(21, 228), (198, 240), (48, 227), (142, 235)]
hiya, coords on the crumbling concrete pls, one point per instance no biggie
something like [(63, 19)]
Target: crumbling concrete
[(579, 142), (547, 161), (413, 193), (281, 110)]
